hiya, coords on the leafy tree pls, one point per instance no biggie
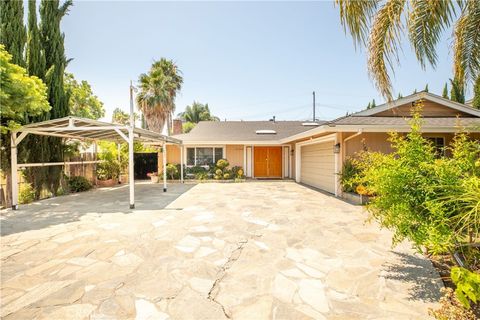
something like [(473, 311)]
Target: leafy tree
[(121, 117), (83, 103), (457, 93), (197, 112), (379, 25), (21, 96), (51, 14), (476, 94), (12, 30), (445, 91), (158, 89), (187, 127)]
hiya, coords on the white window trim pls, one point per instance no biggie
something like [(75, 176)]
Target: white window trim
[(202, 146)]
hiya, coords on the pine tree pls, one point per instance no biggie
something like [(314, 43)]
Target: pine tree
[(445, 91), (426, 88), (476, 94), (457, 93), (373, 105), (12, 30), (400, 96), (51, 14)]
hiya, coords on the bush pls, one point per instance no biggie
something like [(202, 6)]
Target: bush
[(451, 308), (172, 171), (222, 164), (79, 184), (108, 169), (202, 176), (236, 172), (26, 193)]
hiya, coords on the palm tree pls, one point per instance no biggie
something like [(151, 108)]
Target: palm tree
[(158, 89), (197, 112), (379, 25)]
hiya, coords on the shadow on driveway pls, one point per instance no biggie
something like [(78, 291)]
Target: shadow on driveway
[(418, 272), (71, 208)]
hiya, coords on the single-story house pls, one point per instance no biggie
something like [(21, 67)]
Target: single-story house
[(313, 153)]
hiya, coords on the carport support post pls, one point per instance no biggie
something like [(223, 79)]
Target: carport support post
[(181, 163), (164, 153), (13, 157), (131, 180)]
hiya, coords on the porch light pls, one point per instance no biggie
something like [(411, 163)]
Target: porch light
[(336, 148)]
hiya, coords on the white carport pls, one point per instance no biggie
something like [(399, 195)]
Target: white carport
[(88, 130)]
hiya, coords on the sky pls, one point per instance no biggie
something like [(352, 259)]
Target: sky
[(247, 60)]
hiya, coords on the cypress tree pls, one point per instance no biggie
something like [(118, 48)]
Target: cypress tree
[(35, 56), (51, 14), (37, 146), (445, 91), (12, 30), (426, 88), (457, 93), (476, 94)]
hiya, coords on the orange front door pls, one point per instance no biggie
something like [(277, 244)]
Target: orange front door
[(267, 162)]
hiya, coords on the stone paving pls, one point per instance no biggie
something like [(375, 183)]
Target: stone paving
[(264, 250)]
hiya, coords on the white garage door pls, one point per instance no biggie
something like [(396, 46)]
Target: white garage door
[(318, 166)]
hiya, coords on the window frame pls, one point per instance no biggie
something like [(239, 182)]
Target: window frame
[(223, 147), (440, 151)]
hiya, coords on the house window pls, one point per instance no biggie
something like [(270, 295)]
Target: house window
[(203, 156), (439, 145)]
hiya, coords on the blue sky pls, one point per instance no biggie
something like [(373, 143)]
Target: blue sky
[(247, 60)]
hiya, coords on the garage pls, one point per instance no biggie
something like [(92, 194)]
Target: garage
[(317, 165)]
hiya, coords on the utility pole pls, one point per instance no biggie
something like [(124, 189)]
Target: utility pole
[(313, 106)]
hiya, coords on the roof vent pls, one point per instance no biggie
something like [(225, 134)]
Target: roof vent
[(310, 124), (266, 132)]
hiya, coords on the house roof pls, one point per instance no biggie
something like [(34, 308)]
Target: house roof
[(398, 121), (244, 131), (417, 96)]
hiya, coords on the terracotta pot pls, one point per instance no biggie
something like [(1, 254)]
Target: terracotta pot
[(107, 183)]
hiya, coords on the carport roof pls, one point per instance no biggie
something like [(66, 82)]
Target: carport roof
[(88, 129)]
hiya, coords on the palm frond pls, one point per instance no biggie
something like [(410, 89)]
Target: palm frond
[(426, 22), (466, 57), (384, 43), (356, 15)]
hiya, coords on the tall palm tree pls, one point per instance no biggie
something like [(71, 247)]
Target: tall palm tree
[(379, 25), (158, 89), (197, 112)]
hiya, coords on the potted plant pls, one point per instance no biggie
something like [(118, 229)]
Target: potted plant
[(153, 176)]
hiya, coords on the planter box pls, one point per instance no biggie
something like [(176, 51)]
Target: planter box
[(107, 183), (355, 198)]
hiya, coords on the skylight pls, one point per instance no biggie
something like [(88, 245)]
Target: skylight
[(310, 124), (266, 132)]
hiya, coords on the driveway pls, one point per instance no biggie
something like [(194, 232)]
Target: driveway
[(260, 250)]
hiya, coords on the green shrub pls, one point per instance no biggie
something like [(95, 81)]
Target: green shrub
[(196, 169), (226, 176), (468, 286), (202, 176), (222, 164), (108, 169), (79, 184), (236, 172), (172, 171), (26, 193), (348, 176)]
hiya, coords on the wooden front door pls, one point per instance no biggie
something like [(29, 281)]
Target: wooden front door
[(267, 162)]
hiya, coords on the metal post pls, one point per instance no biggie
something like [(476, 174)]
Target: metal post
[(14, 173), (131, 179), (164, 167), (181, 163)]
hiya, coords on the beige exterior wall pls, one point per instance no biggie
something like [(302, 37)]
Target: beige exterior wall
[(234, 154), (373, 141)]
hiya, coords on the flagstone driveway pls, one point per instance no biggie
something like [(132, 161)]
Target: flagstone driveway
[(263, 250)]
